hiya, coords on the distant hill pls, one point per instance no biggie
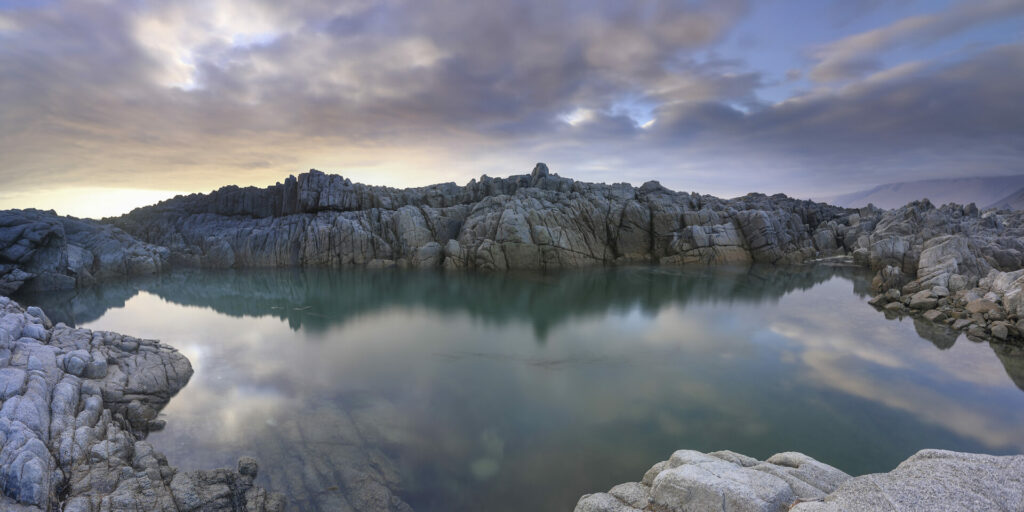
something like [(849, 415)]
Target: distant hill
[(982, 191), (1014, 201)]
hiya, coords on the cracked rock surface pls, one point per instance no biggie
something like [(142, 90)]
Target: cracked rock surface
[(535, 221), (40, 250), (76, 405)]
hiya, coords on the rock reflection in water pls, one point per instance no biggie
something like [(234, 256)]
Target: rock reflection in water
[(379, 390)]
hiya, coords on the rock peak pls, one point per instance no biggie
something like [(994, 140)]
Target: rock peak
[(539, 171)]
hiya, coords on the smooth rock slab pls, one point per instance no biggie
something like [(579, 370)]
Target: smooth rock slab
[(933, 480), (720, 481)]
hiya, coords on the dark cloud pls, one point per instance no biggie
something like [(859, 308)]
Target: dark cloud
[(195, 94)]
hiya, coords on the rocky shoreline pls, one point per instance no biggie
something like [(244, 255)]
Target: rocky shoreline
[(77, 405), (728, 481), (955, 266)]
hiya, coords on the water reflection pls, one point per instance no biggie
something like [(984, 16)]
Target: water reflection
[(369, 390), (316, 299)]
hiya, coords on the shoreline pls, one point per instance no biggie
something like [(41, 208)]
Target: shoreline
[(141, 410), (77, 405), (791, 481), (954, 266)]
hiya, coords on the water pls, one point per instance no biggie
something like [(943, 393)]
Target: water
[(522, 392)]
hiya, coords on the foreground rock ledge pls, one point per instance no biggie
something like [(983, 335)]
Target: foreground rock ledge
[(75, 406), (791, 481)]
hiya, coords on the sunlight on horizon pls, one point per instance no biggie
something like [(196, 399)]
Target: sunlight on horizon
[(86, 202)]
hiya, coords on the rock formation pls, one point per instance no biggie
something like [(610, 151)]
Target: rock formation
[(791, 481), (951, 265), (76, 406), (42, 251), (535, 221), (929, 262)]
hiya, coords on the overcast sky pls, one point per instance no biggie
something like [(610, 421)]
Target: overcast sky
[(106, 105)]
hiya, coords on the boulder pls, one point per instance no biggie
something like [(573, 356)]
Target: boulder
[(923, 300), (790, 481), (725, 481), (933, 480)]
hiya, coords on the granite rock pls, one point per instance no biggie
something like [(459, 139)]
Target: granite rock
[(76, 406), (534, 221), (791, 481), (40, 250)]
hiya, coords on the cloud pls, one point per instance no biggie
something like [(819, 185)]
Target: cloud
[(859, 54), (191, 94)]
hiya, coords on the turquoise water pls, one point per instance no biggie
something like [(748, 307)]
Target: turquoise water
[(522, 392)]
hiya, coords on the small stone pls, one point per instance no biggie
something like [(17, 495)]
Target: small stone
[(934, 315), (1000, 330), (923, 300), (34, 331), (957, 282), (980, 306), (38, 313)]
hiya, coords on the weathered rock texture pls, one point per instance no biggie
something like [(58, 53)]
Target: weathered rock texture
[(76, 405), (952, 266), (929, 262), (536, 221), (42, 251), (728, 481)]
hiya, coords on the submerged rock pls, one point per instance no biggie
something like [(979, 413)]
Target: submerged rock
[(76, 405)]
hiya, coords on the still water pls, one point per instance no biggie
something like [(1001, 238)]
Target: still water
[(521, 392)]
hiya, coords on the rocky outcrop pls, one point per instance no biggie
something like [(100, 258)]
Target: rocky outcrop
[(536, 221), (933, 480), (76, 406), (40, 250), (791, 481), (953, 266), (929, 262)]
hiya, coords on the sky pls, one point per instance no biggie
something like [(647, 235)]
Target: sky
[(107, 105)]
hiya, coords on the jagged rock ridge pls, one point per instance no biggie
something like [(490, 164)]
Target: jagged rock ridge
[(535, 221), (930, 262)]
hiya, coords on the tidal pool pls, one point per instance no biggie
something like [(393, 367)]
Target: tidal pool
[(454, 391)]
